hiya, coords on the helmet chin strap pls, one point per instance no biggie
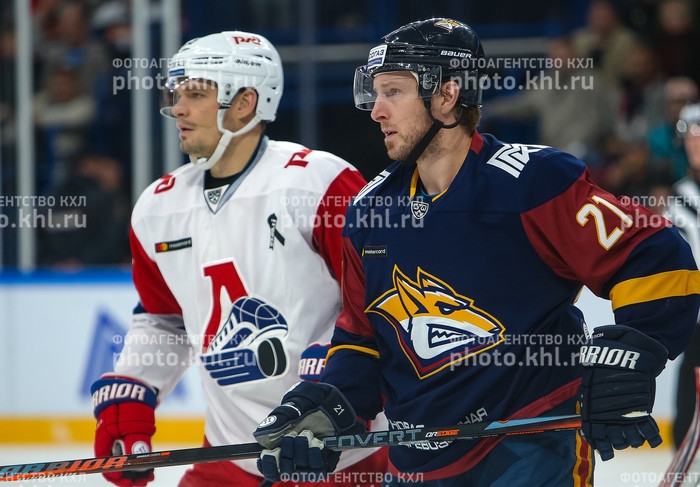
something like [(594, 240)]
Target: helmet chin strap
[(205, 163), (429, 135)]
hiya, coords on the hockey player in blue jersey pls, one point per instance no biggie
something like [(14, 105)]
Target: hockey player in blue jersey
[(463, 261)]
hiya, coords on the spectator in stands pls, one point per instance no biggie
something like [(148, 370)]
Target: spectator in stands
[(632, 175), (8, 53), (575, 119), (641, 97), (677, 41), (666, 146), (110, 132), (605, 40), (62, 115), (640, 106), (74, 45), (96, 233), (45, 16), (640, 16)]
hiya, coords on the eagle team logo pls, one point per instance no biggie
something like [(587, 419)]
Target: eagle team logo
[(436, 326)]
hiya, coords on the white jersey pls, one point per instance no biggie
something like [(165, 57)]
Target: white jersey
[(684, 211), (239, 280)]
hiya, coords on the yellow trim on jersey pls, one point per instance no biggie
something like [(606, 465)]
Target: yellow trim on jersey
[(658, 286), (413, 188), (357, 348), (578, 479)]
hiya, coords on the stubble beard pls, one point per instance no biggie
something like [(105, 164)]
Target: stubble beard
[(398, 151), (195, 149)]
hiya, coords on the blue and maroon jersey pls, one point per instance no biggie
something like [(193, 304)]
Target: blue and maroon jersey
[(460, 307)]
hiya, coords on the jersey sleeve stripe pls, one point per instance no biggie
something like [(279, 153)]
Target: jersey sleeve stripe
[(352, 316), (657, 286), (154, 293), (331, 211), (364, 350)]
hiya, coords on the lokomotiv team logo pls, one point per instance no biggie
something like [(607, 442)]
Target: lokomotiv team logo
[(249, 346), (436, 326)]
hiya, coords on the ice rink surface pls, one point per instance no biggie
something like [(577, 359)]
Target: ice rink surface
[(629, 468)]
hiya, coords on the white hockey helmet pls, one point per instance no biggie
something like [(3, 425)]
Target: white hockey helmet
[(689, 120), (233, 60)]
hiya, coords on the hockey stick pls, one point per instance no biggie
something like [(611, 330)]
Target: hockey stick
[(685, 466), (252, 450)]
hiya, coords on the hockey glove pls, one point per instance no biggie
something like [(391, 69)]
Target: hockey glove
[(620, 365), (291, 432), (124, 409), (313, 361)]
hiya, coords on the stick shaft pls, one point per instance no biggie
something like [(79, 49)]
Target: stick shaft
[(684, 469), (169, 458)]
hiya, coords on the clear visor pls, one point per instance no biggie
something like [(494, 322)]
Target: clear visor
[(366, 92), (175, 86), (685, 129)]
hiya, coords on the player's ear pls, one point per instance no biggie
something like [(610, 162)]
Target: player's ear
[(245, 103), (450, 94), (448, 99)]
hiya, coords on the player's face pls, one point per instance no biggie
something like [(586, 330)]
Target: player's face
[(196, 110), (400, 112), (692, 146)]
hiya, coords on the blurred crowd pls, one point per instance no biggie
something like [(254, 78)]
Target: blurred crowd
[(625, 76), (620, 119), (82, 133)]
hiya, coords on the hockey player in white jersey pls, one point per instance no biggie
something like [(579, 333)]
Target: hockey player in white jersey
[(684, 210), (236, 260)]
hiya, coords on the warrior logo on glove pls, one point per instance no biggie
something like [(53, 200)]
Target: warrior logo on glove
[(620, 365), (124, 409)]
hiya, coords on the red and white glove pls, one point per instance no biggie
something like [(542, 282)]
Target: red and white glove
[(124, 408)]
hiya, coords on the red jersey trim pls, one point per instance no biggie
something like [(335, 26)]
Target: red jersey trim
[(154, 293), (352, 315), (330, 217), (594, 232)]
